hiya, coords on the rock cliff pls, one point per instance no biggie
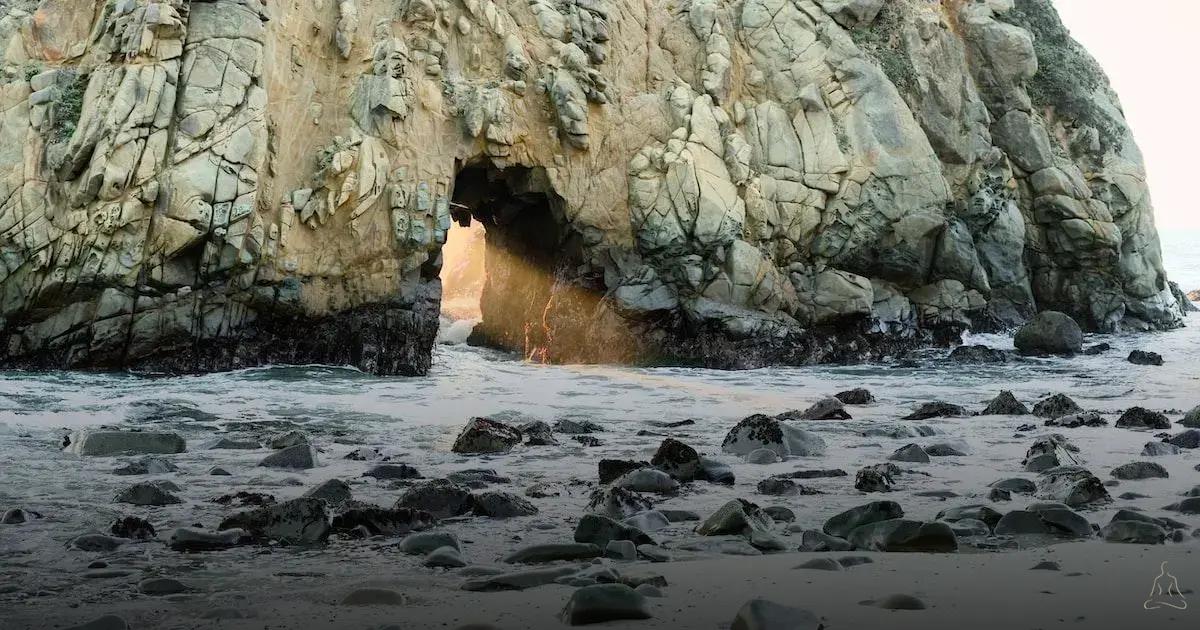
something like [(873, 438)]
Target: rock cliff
[(209, 184)]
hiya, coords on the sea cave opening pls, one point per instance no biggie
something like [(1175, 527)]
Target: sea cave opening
[(513, 274)]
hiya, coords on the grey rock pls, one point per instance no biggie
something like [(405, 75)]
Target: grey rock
[(735, 517), (299, 521), (189, 539), (108, 443), (1134, 532), (779, 514), (825, 409), (107, 622), (677, 459), (762, 614), (904, 535), (599, 530), (856, 396), (374, 597), (813, 540), (1005, 404), (910, 453), (392, 472), (287, 440), (1050, 332), (96, 542), (1141, 418), (820, 564), (519, 580), (648, 480), (621, 550), (1140, 470), (538, 433), (162, 586), (944, 449), (1073, 486), (1076, 420), (714, 471), (147, 466), (617, 502), (1190, 505), (978, 512), (1188, 439), (900, 602), (133, 528), (333, 491), (357, 519), (422, 543), (937, 409), (1141, 357), (218, 471), (978, 354), (604, 602), (1056, 406), (762, 456), (842, 524), (537, 554), (610, 469), (440, 497), (298, 457), (146, 493), (227, 443), (761, 431), (576, 426), (482, 435), (648, 521), (444, 558), (874, 479), (1191, 419), (1017, 485), (502, 505)]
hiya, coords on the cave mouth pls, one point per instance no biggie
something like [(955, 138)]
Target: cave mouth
[(534, 293)]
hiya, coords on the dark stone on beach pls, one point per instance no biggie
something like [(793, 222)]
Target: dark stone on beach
[(616, 502), (393, 471), (998, 494), (825, 409), (1142, 418), (587, 441), (244, 498), (17, 516), (107, 443), (820, 564), (978, 512), (107, 622), (332, 491), (483, 435), (910, 453), (604, 602), (677, 459), (1072, 485), (299, 521), (421, 543), (842, 524), (1141, 357), (779, 514), (735, 517), (1005, 404), (190, 539), (1096, 349), (146, 493), (1049, 332), (1050, 451), (899, 602), (1189, 439), (1140, 470), (575, 426), (937, 409), (978, 354), (714, 471), (1045, 565), (1056, 406), (814, 474), (814, 540), (161, 586), (611, 469), (1190, 505), (1134, 532), (233, 444), (1076, 420), (856, 396), (502, 505), (1191, 419), (762, 614), (873, 479), (380, 521), (440, 497), (538, 433), (287, 440), (146, 466), (374, 597), (299, 457), (898, 535), (133, 528), (538, 554), (96, 542), (943, 449), (598, 530)]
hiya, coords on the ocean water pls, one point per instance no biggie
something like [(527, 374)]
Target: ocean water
[(1181, 257)]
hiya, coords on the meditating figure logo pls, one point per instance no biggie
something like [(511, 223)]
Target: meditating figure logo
[(1165, 592)]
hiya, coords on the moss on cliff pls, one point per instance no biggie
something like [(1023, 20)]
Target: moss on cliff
[(68, 106), (1067, 76), (883, 41)]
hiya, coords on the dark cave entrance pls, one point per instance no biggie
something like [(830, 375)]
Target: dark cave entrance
[(535, 295)]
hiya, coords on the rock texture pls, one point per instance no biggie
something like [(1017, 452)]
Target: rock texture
[(193, 185)]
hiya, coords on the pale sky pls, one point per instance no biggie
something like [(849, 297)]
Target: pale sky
[(1150, 50)]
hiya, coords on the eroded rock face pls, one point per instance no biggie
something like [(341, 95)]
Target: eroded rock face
[(203, 185)]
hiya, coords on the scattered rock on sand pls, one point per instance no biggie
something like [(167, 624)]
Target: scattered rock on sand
[(1076, 420), (617, 502), (108, 443), (842, 524), (392, 471), (576, 426), (299, 521), (977, 512), (910, 453), (1072, 485), (146, 493), (421, 543), (228, 443), (1049, 332), (1046, 565), (538, 433), (1050, 451), (898, 602), (287, 440), (1142, 418), (482, 435), (190, 539), (1005, 404), (374, 597), (762, 614), (298, 457), (735, 517), (677, 459), (96, 542), (648, 521), (647, 480), (1141, 357), (440, 497), (904, 535), (825, 409), (538, 554), (380, 521), (1056, 406), (1140, 470), (1016, 485), (1191, 419), (1159, 449), (937, 409), (599, 530), (146, 466), (813, 540), (133, 528), (1189, 439), (820, 564), (333, 491), (1134, 532), (621, 550), (761, 431), (604, 602), (873, 479), (502, 505), (1190, 505), (16, 516), (714, 471), (444, 558), (856, 396), (773, 486)]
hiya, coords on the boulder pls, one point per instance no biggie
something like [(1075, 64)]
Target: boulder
[(1191, 419), (1005, 404), (1050, 451), (944, 449), (856, 396), (1049, 332), (762, 614), (146, 466), (621, 550), (1190, 505), (714, 471), (874, 479), (1140, 470), (422, 543), (296, 522), (842, 524), (1056, 406), (146, 493), (374, 597), (617, 502), (1016, 485), (133, 528), (761, 431), (910, 453), (1134, 532), (539, 554), (825, 409), (904, 535), (813, 540), (107, 443), (96, 542), (1141, 357), (735, 517), (333, 491), (1074, 486), (1189, 439), (1076, 420), (298, 457), (482, 435), (604, 602), (392, 472), (576, 426), (287, 440), (502, 505), (440, 497), (1160, 449), (976, 512), (190, 539), (1142, 418), (978, 354), (158, 587), (538, 433), (610, 469), (677, 459), (937, 409), (379, 521), (599, 530), (649, 521)]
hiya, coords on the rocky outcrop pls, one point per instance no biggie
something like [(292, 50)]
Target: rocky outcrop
[(193, 185)]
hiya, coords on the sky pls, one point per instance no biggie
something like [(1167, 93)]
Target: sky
[(1149, 50)]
